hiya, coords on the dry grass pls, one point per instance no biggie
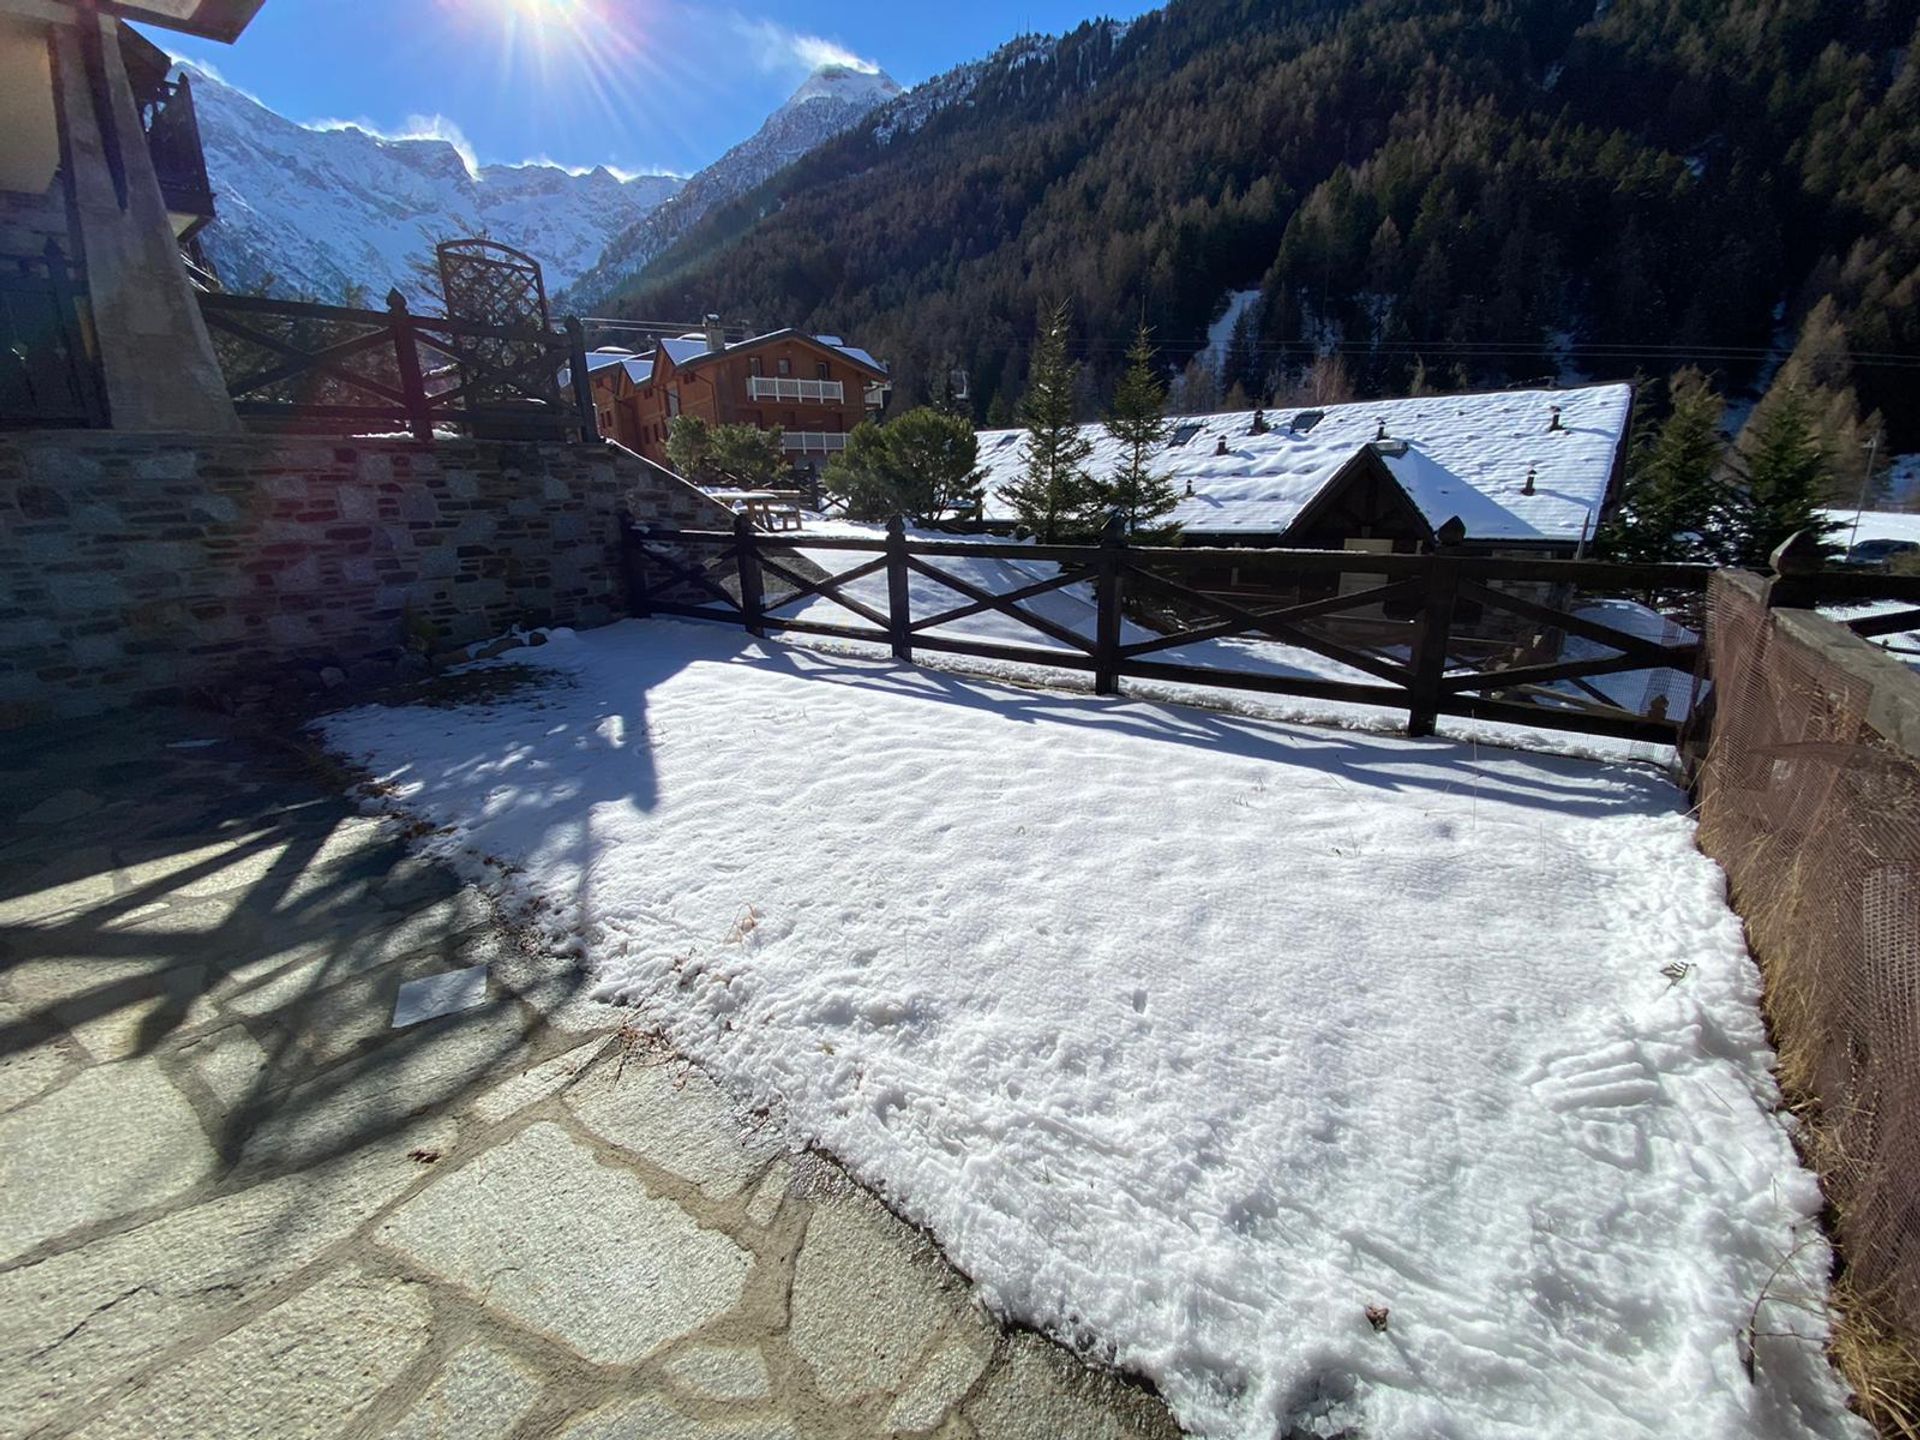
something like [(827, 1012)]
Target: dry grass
[(1788, 887), (1882, 1366)]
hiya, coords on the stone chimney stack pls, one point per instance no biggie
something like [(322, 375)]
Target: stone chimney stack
[(716, 334)]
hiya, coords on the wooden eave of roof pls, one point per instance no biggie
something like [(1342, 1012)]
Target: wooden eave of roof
[(1364, 461), (222, 20), (777, 336)]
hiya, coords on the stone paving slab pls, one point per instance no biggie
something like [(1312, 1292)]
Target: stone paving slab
[(239, 1202)]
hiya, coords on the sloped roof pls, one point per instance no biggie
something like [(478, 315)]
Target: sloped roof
[(214, 19), (1467, 455), (689, 350)]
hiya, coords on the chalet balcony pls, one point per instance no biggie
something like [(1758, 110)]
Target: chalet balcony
[(815, 441), (173, 139), (813, 392)]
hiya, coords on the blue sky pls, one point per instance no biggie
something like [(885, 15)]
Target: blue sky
[(640, 85)]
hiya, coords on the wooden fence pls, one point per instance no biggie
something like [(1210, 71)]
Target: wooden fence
[(331, 369), (1425, 650), (1409, 663)]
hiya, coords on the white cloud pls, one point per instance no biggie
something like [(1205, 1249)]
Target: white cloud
[(775, 47), (414, 127)]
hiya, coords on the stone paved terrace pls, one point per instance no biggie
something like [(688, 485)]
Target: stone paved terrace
[(235, 1201)]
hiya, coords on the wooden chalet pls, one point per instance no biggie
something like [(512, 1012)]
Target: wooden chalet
[(812, 388)]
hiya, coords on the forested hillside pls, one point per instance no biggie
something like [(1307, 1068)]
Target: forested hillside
[(1440, 194)]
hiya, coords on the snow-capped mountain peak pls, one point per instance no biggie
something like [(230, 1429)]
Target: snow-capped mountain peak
[(847, 84), (833, 99), (337, 211)]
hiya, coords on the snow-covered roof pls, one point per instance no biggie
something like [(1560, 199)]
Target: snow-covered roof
[(598, 360), (1874, 525), (686, 350), (640, 370), (1466, 455), (692, 349)]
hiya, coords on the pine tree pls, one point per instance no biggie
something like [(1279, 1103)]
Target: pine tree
[(1787, 476), (1056, 498), (1818, 374), (1137, 420), (1675, 507)]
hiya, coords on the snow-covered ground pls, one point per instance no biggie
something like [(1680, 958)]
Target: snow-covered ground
[(1189, 1036), (1859, 527)]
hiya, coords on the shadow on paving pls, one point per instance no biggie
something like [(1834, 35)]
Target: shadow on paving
[(166, 875), (238, 1202)]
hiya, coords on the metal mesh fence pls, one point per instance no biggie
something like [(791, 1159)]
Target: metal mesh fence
[(1817, 821)]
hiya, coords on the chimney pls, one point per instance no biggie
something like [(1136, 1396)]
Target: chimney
[(1527, 489), (1383, 432), (716, 334), (1556, 425)]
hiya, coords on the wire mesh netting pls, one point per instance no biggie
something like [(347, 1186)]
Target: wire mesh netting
[(1816, 818)]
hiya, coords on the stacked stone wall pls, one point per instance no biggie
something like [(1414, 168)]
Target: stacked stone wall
[(144, 569)]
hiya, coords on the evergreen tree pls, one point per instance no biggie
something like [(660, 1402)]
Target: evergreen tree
[(724, 454), (1243, 371), (925, 465), (1056, 498), (861, 477), (1787, 476), (1137, 419), (1817, 381), (1675, 508)]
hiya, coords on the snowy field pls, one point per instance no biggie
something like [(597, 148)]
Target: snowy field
[(1189, 1036)]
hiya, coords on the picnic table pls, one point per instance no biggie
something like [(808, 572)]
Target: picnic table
[(768, 509)]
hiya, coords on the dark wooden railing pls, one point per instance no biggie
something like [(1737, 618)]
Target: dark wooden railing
[(1444, 634), (330, 369), (172, 128), (47, 375)]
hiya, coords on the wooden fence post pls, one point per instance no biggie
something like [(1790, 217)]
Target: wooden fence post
[(406, 352), (753, 600), (1430, 645), (1107, 588), (582, 382), (899, 595)]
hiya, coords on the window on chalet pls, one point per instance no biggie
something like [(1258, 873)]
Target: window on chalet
[(673, 400), (826, 370), (756, 366), (786, 366)]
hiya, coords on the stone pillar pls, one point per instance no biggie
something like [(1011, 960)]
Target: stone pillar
[(157, 362)]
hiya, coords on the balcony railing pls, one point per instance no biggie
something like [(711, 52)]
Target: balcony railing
[(331, 370), (816, 440), (818, 392), (173, 139)]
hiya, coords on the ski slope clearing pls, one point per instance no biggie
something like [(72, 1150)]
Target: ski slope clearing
[(1189, 1036)]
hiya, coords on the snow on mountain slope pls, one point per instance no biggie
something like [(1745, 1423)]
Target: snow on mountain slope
[(327, 212), (834, 99)]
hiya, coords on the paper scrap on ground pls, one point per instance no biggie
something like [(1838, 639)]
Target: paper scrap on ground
[(436, 995)]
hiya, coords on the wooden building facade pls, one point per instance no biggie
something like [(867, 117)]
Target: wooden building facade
[(813, 389)]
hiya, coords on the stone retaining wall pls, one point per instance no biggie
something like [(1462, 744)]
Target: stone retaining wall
[(139, 569)]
